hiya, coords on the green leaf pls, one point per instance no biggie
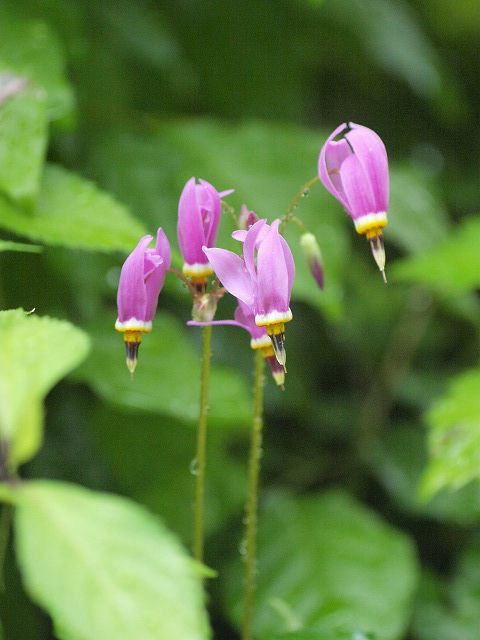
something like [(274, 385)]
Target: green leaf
[(399, 460), (7, 245), (73, 212), (449, 611), (166, 380), (328, 561), (323, 634), (31, 49), (127, 575), (23, 142), (451, 267), (36, 354), (454, 438), (133, 455)]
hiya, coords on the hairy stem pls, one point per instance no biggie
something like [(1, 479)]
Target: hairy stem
[(200, 458), (301, 193), (252, 496)]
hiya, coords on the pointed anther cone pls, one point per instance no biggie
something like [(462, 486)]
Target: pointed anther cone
[(278, 343), (277, 371), (378, 251), (131, 352)]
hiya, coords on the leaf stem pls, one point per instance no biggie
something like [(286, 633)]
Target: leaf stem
[(251, 507), (200, 458)]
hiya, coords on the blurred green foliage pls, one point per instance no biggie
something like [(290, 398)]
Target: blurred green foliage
[(125, 101)]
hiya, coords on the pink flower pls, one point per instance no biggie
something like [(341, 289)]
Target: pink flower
[(262, 279), (355, 171), (259, 339), (199, 212), (141, 280)]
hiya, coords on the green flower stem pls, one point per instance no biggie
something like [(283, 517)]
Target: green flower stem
[(5, 524), (200, 458), (252, 496), (302, 192)]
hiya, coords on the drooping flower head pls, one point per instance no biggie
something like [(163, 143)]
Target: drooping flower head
[(141, 280), (199, 212), (262, 279), (259, 338), (354, 169)]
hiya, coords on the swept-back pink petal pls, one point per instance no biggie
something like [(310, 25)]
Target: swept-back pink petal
[(210, 208), (224, 194), (289, 263), (151, 262), (371, 152), (154, 280), (240, 235), (245, 317), (272, 274), (132, 295), (230, 270), (162, 248), (250, 244), (331, 157), (357, 188), (232, 323), (191, 235)]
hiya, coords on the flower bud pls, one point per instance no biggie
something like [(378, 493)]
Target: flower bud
[(204, 307), (247, 218), (312, 252)]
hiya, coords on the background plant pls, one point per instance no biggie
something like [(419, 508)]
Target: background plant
[(382, 383)]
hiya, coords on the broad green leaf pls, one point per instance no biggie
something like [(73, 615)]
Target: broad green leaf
[(454, 438), (152, 461), (127, 576), (322, 634), (451, 267), (449, 611), (23, 141), (36, 353), (73, 212), (166, 380), (328, 560), (7, 245), (399, 460), (31, 49)]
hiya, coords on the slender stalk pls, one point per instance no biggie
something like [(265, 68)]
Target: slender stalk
[(200, 458), (5, 524), (252, 496), (302, 192)]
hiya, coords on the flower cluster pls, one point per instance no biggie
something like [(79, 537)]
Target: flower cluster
[(352, 165)]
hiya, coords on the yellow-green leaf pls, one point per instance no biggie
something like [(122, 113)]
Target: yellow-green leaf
[(35, 354)]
